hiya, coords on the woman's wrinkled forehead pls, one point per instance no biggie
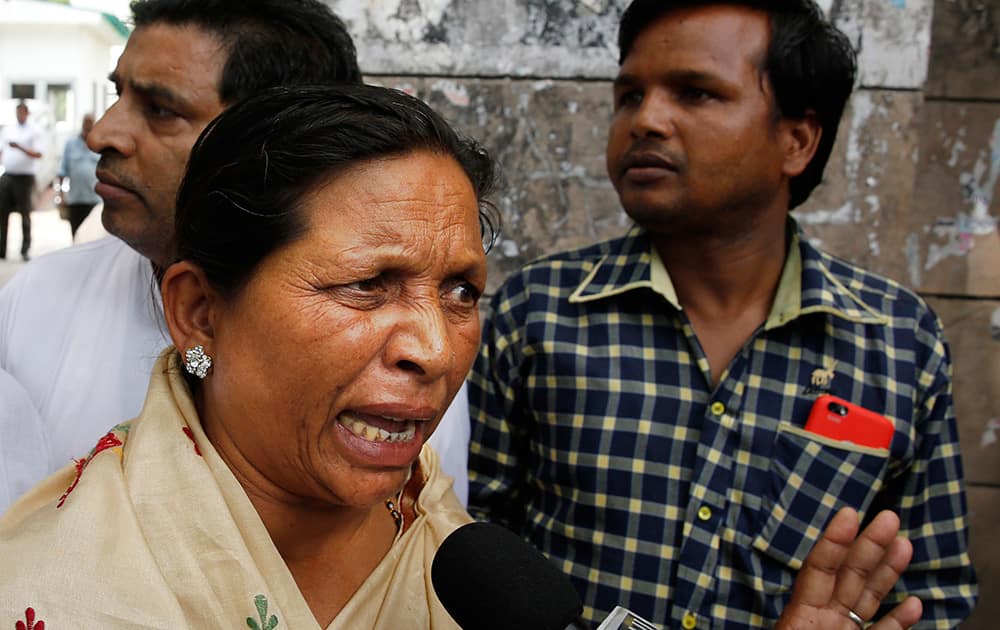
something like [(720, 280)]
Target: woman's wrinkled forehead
[(427, 191)]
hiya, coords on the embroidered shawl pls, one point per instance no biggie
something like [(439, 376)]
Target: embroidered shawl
[(152, 530)]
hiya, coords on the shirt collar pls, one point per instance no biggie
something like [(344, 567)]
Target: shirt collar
[(806, 286), (630, 263)]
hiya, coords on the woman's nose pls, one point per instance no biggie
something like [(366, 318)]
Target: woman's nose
[(421, 343)]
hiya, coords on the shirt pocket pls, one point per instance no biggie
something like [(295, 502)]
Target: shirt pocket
[(811, 477)]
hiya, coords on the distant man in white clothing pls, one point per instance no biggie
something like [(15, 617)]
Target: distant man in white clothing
[(20, 149)]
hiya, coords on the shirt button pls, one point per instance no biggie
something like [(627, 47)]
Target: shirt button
[(704, 513), (718, 408), (689, 621)]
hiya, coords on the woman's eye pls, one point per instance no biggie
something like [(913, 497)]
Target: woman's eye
[(465, 293), (368, 285), (366, 294)]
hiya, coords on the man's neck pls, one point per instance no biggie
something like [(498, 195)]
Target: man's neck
[(719, 276), (726, 284)]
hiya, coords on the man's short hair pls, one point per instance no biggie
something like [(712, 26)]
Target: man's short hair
[(269, 42), (810, 64)]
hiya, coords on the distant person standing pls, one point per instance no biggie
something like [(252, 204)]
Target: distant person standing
[(20, 148), (79, 166)]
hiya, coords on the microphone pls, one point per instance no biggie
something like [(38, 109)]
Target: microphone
[(488, 578)]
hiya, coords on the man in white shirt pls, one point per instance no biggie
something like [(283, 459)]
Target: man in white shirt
[(20, 149), (80, 328)]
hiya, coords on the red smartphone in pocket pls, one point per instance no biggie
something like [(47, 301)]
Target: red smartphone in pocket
[(838, 419)]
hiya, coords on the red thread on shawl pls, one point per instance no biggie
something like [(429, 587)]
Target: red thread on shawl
[(110, 440), (29, 616), (80, 464), (188, 432)]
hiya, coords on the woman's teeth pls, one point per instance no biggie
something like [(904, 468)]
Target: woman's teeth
[(375, 434)]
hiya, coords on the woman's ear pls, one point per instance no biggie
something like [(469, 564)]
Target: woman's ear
[(188, 305), (800, 138)]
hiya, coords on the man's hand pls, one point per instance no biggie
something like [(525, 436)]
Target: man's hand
[(846, 572), (24, 149)]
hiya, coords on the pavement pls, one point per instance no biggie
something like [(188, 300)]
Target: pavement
[(48, 233)]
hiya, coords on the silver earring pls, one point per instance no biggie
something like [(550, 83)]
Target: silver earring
[(197, 362)]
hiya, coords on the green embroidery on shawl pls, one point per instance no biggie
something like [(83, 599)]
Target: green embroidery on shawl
[(265, 624)]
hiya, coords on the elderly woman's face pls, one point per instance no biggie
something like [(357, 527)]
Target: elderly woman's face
[(337, 361)]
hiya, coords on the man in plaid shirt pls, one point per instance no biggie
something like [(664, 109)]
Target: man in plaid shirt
[(639, 405)]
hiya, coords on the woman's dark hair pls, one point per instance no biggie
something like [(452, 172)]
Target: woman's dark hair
[(252, 168), (268, 42), (810, 64)]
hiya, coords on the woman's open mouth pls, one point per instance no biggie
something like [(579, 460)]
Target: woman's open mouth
[(378, 428)]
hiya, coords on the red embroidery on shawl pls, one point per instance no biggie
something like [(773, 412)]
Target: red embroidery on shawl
[(80, 464), (188, 432), (29, 616), (110, 440)]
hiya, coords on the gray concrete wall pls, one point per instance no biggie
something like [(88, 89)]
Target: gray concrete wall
[(570, 39), (910, 190), (953, 250)]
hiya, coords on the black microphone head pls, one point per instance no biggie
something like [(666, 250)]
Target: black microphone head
[(488, 578)]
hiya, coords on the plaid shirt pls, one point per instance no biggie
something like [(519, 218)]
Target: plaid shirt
[(598, 436)]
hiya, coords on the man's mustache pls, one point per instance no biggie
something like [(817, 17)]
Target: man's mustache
[(650, 152), (109, 170)]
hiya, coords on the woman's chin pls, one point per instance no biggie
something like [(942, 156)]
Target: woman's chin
[(370, 489)]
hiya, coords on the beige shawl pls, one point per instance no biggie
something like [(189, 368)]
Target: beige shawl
[(153, 531)]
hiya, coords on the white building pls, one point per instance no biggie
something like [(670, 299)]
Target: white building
[(57, 58)]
